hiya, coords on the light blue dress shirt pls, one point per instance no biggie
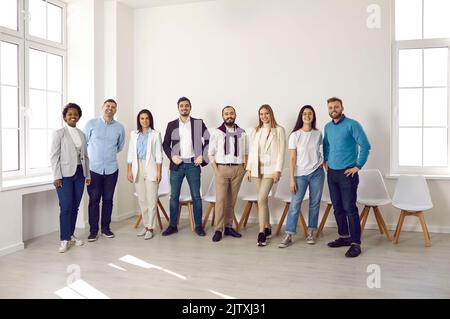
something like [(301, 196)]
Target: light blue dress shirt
[(141, 145), (104, 141)]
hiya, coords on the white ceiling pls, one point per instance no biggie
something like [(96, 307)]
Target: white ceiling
[(155, 3)]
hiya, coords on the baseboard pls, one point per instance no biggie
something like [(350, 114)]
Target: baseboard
[(123, 216), (11, 249)]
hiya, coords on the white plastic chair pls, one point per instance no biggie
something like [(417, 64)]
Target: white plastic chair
[(372, 193), (412, 197), (327, 200), (210, 198), (186, 200), (283, 193)]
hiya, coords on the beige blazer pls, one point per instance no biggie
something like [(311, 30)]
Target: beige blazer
[(153, 156), (274, 152), (64, 156)]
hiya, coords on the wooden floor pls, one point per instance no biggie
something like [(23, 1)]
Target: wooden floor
[(187, 266)]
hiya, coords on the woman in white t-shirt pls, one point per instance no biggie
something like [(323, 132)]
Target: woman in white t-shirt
[(306, 171)]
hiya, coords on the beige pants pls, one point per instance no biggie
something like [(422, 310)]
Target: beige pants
[(263, 186), (228, 183), (147, 192)]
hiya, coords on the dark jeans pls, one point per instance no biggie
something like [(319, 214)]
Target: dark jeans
[(69, 195), (343, 191), (102, 187), (192, 174)]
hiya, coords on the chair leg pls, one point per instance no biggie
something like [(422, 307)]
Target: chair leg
[(236, 221), (303, 223), (324, 219), (377, 218), (213, 219), (191, 216), (158, 216), (248, 214), (246, 211), (179, 212), (401, 219), (283, 216), (138, 221), (381, 223), (364, 215), (424, 229), (163, 210), (208, 211)]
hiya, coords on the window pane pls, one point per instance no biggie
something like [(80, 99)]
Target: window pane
[(38, 156), (49, 145), (408, 19), (54, 23), (10, 150), (410, 147), (410, 68), (8, 14), (9, 68), (436, 67), (436, 106), (38, 105), (37, 69), (437, 22), (37, 9), (55, 72), (435, 147), (54, 101), (10, 107), (410, 107)]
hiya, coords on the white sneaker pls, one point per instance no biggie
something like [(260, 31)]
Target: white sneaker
[(142, 232), (148, 234), (75, 241), (287, 241), (310, 239), (64, 246)]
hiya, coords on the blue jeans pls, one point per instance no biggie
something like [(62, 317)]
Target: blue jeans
[(343, 191), (192, 174), (102, 187), (315, 182), (69, 195)]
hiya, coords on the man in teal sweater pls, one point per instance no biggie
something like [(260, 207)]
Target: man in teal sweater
[(346, 149)]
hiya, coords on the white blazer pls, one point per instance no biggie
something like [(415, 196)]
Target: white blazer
[(154, 154), (274, 152)]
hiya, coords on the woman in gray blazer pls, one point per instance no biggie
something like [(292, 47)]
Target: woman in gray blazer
[(70, 167)]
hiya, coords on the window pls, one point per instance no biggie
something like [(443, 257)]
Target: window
[(32, 84), (421, 87)]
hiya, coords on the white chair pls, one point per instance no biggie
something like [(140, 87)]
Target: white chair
[(327, 200), (186, 200), (372, 193), (163, 190), (283, 193), (248, 193), (412, 197), (210, 198)]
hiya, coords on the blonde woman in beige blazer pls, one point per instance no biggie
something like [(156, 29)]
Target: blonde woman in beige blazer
[(144, 168), (265, 164)]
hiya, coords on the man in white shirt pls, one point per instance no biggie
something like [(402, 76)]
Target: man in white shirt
[(228, 152)]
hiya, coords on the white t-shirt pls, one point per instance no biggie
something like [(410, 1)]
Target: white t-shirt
[(309, 150)]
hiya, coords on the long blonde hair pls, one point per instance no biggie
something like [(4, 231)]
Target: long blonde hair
[(273, 122)]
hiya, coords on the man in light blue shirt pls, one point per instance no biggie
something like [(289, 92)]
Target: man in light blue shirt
[(105, 138)]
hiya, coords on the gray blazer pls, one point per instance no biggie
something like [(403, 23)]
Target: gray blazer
[(64, 157)]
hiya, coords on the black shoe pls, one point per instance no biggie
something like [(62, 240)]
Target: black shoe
[(217, 236), (340, 242), (262, 239), (108, 233), (170, 230), (268, 232), (92, 237), (231, 232), (353, 251), (199, 230)]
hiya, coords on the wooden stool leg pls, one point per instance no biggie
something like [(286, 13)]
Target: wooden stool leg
[(138, 221), (236, 221), (179, 213), (303, 223), (364, 215), (191, 216), (381, 223), (399, 226), (208, 211), (377, 218), (163, 210), (158, 216), (246, 211), (283, 216), (213, 219), (424, 229), (248, 214), (324, 219)]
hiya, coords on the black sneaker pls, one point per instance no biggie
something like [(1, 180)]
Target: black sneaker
[(217, 236), (170, 230), (199, 230), (108, 233), (268, 232), (92, 237), (353, 251), (262, 240), (231, 232), (340, 242)]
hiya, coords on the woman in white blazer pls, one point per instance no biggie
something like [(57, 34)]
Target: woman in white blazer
[(70, 168), (144, 168), (265, 164)]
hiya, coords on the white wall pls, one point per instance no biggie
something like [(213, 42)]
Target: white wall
[(285, 53)]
